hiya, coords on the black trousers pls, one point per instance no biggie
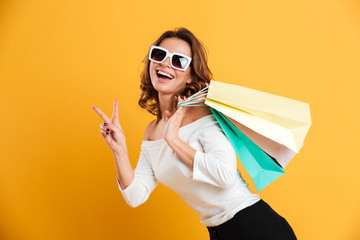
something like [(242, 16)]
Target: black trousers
[(258, 221)]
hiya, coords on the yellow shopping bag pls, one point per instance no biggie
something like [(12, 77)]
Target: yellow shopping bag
[(258, 125), (280, 153), (283, 120)]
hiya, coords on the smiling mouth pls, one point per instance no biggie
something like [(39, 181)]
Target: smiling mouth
[(164, 75)]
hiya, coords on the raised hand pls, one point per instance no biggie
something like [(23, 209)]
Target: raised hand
[(174, 121), (111, 129)]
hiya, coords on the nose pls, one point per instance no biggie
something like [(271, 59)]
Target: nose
[(166, 62)]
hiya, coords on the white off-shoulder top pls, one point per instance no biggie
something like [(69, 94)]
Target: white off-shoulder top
[(213, 188)]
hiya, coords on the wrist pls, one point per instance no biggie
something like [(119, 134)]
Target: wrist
[(122, 151), (172, 142)]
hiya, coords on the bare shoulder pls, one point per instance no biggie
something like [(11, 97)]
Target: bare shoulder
[(149, 129)]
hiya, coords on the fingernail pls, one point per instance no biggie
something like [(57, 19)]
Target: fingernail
[(105, 124), (108, 130), (107, 133)]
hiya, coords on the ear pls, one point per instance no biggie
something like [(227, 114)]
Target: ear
[(189, 81)]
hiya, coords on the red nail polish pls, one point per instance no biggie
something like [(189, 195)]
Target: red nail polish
[(108, 130), (105, 124)]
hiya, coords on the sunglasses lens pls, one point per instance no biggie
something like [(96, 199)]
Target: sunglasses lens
[(157, 54), (179, 61)]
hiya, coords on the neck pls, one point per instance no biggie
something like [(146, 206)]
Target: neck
[(165, 103)]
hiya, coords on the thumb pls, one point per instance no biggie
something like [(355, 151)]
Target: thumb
[(167, 114)]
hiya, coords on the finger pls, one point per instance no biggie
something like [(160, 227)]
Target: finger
[(182, 112), (107, 129), (180, 99), (116, 110), (104, 133), (101, 114), (177, 114), (167, 114)]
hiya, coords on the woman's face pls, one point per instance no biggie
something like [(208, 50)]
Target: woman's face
[(180, 78)]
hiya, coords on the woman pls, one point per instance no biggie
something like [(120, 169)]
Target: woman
[(185, 148)]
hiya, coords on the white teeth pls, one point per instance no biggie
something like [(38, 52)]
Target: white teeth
[(165, 74)]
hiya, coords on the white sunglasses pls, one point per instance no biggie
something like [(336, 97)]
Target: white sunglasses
[(177, 60)]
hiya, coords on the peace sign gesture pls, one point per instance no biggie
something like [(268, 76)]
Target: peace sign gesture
[(111, 129)]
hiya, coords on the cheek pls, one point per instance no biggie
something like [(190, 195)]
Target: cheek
[(185, 76), (151, 71), (151, 67), (182, 79)]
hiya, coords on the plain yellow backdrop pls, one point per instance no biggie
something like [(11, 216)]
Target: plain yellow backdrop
[(59, 57)]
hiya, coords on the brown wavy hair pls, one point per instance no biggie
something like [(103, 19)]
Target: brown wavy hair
[(200, 72)]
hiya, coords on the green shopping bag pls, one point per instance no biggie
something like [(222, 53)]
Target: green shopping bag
[(262, 169)]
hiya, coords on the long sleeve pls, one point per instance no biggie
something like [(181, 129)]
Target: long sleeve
[(216, 164), (143, 184)]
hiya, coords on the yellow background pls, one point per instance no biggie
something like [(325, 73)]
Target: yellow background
[(57, 58)]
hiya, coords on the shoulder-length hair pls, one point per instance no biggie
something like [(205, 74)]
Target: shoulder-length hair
[(200, 72)]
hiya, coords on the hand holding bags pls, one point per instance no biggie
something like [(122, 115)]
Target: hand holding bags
[(258, 125)]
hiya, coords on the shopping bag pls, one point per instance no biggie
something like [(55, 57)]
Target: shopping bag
[(281, 154), (262, 169), (283, 120), (273, 125)]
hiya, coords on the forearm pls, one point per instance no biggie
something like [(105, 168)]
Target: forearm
[(125, 173), (183, 150)]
